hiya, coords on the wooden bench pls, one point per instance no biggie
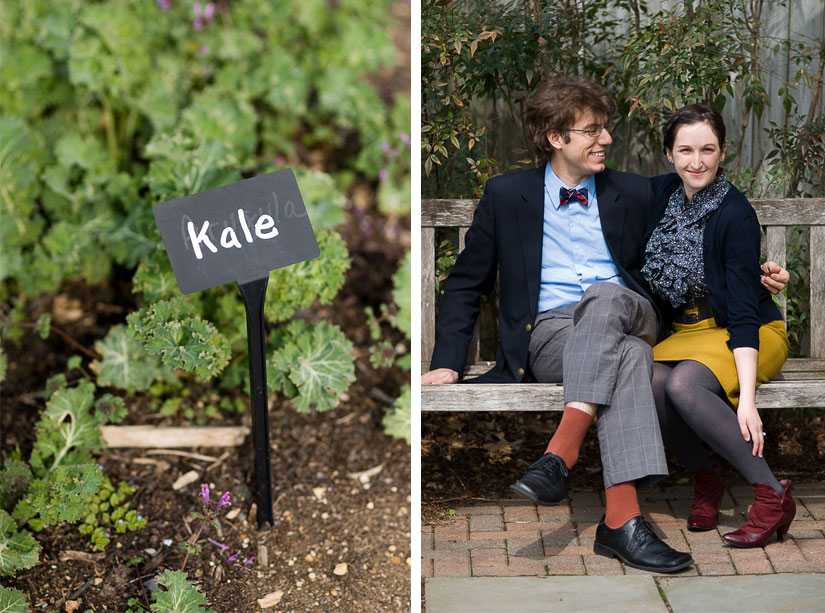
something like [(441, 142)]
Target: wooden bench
[(801, 383)]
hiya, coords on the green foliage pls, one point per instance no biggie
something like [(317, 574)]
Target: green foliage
[(12, 601), (398, 420), (108, 509), (4, 364), (298, 286), (125, 363), (61, 478), (180, 596), (401, 314), (182, 339), (18, 549), (311, 365), (113, 106)]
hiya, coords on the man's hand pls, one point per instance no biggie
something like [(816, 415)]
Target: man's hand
[(439, 375), (774, 277)]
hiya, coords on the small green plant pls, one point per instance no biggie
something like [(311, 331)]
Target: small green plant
[(178, 596), (208, 516), (109, 511), (60, 477)]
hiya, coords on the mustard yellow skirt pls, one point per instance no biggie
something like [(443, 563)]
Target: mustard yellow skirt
[(706, 342)]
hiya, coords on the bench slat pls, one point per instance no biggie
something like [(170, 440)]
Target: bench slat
[(549, 397)]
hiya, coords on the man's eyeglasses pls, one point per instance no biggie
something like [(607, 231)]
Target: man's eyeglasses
[(589, 131)]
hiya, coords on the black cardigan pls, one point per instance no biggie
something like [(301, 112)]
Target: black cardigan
[(732, 271)]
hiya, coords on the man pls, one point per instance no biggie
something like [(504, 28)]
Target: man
[(566, 240)]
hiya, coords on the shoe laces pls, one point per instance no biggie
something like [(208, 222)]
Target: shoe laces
[(643, 532)]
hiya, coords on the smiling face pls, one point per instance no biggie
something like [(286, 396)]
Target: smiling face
[(576, 156), (696, 155)]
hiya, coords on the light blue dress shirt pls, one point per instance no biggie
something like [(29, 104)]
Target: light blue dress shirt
[(574, 253)]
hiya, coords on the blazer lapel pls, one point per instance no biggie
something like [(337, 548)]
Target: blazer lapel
[(530, 217), (611, 214)]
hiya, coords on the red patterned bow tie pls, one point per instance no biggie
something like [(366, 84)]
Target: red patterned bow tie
[(571, 195)]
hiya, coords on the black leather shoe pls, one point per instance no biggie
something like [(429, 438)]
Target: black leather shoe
[(637, 545), (546, 481)]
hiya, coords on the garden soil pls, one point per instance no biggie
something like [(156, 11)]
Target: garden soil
[(341, 486), (472, 457)]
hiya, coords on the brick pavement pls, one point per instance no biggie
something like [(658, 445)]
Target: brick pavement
[(505, 538)]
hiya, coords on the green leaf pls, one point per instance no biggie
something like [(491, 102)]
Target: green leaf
[(43, 325), (324, 201), (61, 496), (181, 340), (398, 419), (180, 596), (402, 296), (15, 477), (318, 362), (298, 286), (12, 601), (18, 549), (66, 423), (125, 364)]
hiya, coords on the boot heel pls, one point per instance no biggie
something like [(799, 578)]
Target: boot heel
[(782, 532)]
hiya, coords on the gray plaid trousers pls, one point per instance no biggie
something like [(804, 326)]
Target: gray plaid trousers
[(601, 350)]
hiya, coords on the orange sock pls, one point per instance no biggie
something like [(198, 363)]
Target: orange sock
[(621, 504), (568, 437)]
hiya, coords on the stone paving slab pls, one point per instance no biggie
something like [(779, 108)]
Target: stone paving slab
[(543, 595), (751, 594)]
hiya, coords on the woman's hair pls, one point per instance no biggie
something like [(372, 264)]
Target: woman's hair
[(555, 104), (689, 115)]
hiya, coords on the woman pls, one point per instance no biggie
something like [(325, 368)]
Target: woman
[(702, 260)]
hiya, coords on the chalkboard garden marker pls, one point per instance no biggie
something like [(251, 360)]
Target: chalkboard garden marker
[(239, 233)]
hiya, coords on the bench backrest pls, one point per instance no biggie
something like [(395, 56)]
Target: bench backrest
[(776, 215)]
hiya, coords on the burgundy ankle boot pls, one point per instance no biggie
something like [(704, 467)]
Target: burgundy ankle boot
[(707, 498), (769, 513)]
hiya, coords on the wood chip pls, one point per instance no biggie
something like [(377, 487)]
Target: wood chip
[(263, 556), (72, 606), (188, 436), (271, 599), (81, 556), (365, 475), (340, 569), (185, 479), (233, 513)]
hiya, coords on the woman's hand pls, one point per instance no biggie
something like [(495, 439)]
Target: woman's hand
[(750, 424)]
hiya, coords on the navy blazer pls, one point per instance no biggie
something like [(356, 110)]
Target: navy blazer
[(506, 237), (731, 245)]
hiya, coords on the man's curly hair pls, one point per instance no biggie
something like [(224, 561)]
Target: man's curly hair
[(554, 106)]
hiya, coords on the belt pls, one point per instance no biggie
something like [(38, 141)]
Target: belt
[(695, 310)]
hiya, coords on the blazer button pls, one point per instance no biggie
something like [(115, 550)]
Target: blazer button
[(520, 372), (528, 327)]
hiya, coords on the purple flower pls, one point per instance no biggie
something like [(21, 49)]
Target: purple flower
[(224, 500), (203, 50), (385, 147), (383, 174), (405, 138), (205, 493), (220, 545), (206, 13), (233, 556), (164, 4)]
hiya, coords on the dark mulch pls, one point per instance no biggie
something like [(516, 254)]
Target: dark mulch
[(467, 457)]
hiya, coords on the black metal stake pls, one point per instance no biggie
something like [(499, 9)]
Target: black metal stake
[(254, 296)]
